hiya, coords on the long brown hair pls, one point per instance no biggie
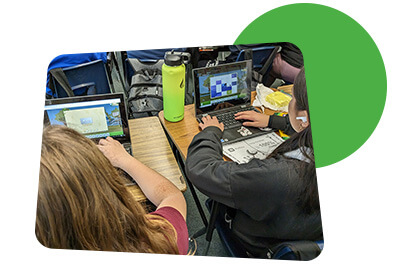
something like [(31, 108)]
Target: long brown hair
[(83, 203), (307, 184)]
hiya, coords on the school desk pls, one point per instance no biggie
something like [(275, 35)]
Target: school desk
[(151, 147)]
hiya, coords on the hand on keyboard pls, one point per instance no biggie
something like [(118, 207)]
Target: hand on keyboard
[(252, 119), (211, 121)]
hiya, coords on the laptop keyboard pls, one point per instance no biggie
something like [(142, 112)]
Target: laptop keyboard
[(228, 117)]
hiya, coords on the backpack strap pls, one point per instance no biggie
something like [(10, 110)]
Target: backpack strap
[(62, 79), (268, 63)]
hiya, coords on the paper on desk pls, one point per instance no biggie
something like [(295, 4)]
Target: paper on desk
[(260, 101), (259, 147)]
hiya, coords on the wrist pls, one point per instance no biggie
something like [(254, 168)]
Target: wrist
[(214, 128), (125, 161), (266, 124)]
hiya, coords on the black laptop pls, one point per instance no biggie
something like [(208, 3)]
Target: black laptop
[(96, 116), (222, 91)]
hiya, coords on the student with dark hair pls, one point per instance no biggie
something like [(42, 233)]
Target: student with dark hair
[(271, 200), (286, 64), (84, 204)]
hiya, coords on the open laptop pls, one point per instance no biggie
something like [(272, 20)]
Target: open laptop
[(222, 91), (96, 116)]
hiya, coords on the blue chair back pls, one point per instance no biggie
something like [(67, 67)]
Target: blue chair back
[(68, 60), (150, 56), (85, 79)]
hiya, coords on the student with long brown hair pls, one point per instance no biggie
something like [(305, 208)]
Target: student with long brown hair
[(84, 204), (268, 201)]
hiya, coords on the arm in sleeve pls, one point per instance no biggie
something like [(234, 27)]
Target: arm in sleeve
[(255, 188), (282, 123), (206, 168), (178, 222)]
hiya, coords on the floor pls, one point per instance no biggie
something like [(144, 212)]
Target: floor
[(195, 224)]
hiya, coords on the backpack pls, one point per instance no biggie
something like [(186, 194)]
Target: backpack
[(296, 250), (145, 94)]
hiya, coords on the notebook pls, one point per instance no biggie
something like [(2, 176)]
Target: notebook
[(222, 91), (96, 117)]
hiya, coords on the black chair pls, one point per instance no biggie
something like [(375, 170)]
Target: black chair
[(217, 221), (262, 58), (288, 250)]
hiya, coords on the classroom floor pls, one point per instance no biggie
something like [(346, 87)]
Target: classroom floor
[(195, 223)]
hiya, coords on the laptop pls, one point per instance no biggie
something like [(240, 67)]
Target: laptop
[(222, 91), (95, 116)]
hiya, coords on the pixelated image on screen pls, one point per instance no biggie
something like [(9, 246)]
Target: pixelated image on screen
[(94, 121), (219, 87)]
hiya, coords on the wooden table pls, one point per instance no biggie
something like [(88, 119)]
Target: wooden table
[(151, 147)]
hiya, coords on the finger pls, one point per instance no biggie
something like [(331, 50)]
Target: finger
[(241, 113), (244, 117), (205, 118), (101, 148), (110, 139), (214, 118), (102, 142), (244, 113)]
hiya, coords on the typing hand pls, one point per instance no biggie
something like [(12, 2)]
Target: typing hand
[(114, 151), (211, 121), (253, 118)]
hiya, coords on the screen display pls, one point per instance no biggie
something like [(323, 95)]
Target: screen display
[(223, 83), (94, 119)]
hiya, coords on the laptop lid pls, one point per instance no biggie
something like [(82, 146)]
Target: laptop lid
[(95, 116), (221, 86)]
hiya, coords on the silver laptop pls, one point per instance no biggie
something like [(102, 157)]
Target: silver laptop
[(95, 116)]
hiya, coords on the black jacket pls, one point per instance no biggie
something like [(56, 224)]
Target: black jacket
[(263, 192)]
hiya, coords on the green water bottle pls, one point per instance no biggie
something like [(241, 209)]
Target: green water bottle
[(173, 81)]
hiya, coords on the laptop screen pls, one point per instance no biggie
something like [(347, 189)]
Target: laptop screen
[(96, 116), (221, 84)]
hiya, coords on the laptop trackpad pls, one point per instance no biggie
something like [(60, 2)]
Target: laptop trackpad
[(239, 133)]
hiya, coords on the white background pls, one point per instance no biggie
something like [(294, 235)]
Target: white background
[(359, 195)]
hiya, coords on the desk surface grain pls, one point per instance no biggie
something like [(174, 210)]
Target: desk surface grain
[(150, 146), (182, 132)]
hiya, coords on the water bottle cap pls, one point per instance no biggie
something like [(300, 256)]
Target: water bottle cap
[(172, 60)]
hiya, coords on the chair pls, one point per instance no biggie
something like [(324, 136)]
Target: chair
[(84, 79), (217, 221), (68, 60), (289, 250), (150, 56), (144, 56), (262, 58)]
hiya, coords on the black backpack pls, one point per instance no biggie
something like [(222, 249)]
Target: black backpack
[(296, 250), (145, 94)]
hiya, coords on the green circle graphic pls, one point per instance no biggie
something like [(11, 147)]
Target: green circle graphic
[(346, 78)]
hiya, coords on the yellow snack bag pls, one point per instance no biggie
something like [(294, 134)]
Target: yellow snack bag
[(278, 99)]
